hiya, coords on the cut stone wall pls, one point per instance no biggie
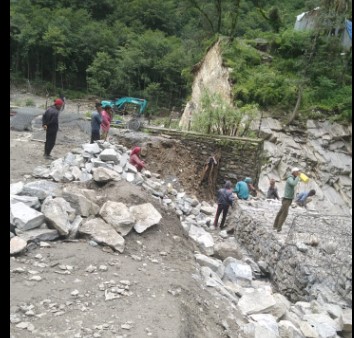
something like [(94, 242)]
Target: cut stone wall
[(310, 258), (240, 157)]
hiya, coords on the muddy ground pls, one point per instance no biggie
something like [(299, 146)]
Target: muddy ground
[(55, 293)]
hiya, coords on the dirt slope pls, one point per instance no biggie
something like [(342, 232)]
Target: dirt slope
[(165, 299)]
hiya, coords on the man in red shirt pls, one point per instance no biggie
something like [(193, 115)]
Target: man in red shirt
[(135, 159)]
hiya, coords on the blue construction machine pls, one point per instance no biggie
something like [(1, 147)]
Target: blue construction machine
[(126, 105)]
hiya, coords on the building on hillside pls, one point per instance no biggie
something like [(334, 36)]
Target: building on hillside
[(307, 21), (347, 35)]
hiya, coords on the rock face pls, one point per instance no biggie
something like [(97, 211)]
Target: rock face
[(321, 150), (212, 76)]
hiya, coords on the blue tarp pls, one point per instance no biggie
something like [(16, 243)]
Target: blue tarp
[(348, 25)]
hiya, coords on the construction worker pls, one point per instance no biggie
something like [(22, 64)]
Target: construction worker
[(289, 193), (50, 123), (225, 200)]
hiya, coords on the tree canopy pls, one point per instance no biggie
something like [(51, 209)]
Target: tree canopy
[(147, 48)]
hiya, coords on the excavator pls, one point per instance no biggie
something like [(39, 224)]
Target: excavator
[(123, 105), (126, 105)]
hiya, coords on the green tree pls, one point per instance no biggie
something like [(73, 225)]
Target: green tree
[(100, 74)]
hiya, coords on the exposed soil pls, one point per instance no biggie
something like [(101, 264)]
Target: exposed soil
[(166, 298)]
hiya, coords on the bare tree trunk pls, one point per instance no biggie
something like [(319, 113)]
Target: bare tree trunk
[(297, 106), (235, 20), (260, 124), (196, 5), (219, 14)]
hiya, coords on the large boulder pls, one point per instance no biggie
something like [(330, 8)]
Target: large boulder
[(118, 216), (145, 216), (101, 232)]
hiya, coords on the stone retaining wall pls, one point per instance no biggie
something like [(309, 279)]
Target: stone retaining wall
[(240, 157), (310, 258)]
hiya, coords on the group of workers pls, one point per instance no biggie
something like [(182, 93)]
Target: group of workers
[(100, 122), (243, 189)]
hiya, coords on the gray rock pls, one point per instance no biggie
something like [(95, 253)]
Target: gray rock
[(75, 226), (58, 213), (118, 216), (24, 217), (31, 201), (110, 155), (325, 325), (91, 148), (228, 248), (41, 189), (254, 330), (38, 235), (82, 205), (237, 272), (256, 302), (308, 330), (204, 240), (288, 330), (16, 188), (41, 171), (103, 233), (145, 216), (17, 245), (214, 264), (105, 175), (347, 320), (267, 321)]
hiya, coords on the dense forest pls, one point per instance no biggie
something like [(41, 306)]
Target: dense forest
[(147, 49)]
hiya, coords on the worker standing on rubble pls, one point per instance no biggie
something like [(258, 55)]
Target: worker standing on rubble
[(50, 123), (225, 200), (96, 120), (107, 115), (289, 193)]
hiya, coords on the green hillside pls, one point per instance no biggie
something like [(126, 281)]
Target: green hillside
[(147, 48)]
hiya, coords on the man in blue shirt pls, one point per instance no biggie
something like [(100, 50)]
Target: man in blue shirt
[(96, 120), (303, 198), (225, 200)]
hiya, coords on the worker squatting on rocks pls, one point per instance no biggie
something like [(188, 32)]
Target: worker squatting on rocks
[(244, 188), (135, 159), (303, 198), (272, 192)]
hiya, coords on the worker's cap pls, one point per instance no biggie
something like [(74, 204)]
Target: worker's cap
[(294, 170), (228, 184), (58, 102), (248, 179)]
